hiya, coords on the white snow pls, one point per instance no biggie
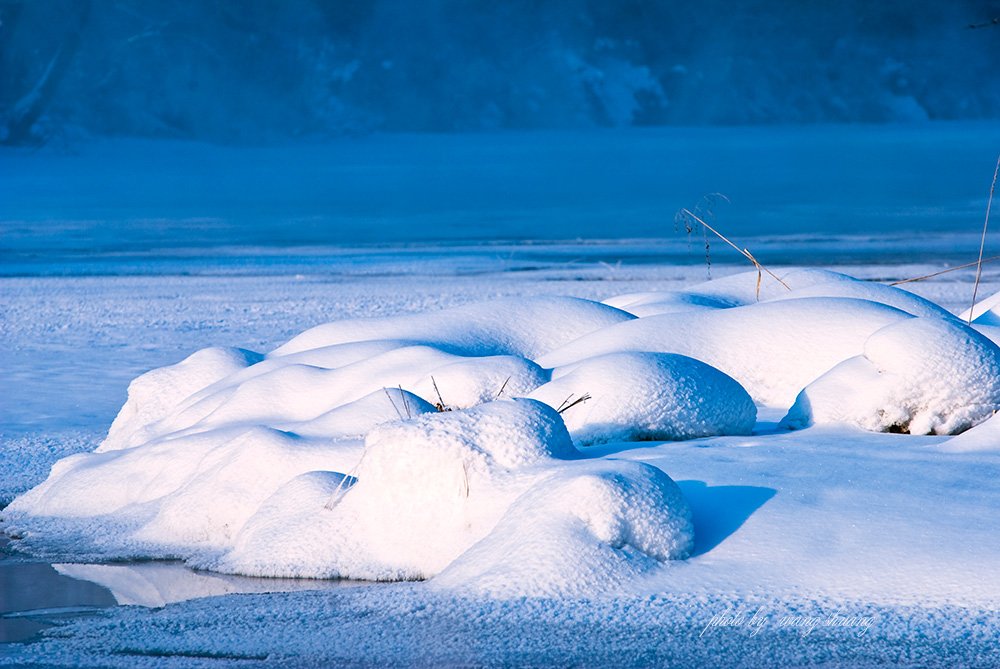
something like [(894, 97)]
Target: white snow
[(747, 288), (584, 530), (528, 327), (923, 376), (986, 312), (396, 448), (646, 396), (306, 464), (155, 394), (427, 490), (983, 437), (773, 349)]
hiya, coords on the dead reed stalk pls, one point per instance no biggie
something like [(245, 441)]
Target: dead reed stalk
[(982, 244), (687, 213)]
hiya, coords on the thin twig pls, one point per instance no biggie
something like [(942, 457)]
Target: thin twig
[(405, 403), (582, 398), (501, 389), (979, 265), (398, 412), (440, 404), (564, 403), (945, 271), (743, 252)]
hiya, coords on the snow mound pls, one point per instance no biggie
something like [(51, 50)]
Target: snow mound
[(656, 303), (921, 376), (427, 490), (431, 445), (645, 396), (217, 474), (156, 393), (589, 529), (293, 394), (982, 437), (873, 292), (358, 418), (503, 327), (419, 495), (742, 290), (987, 312), (773, 349)]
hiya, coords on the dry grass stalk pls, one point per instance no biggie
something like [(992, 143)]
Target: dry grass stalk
[(501, 389), (566, 407), (406, 404), (398, 412), (440, 406), (350, 478), (982, 244), (945, 271), (743, 251)]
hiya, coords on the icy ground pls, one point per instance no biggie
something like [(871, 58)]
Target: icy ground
[(829, 545)]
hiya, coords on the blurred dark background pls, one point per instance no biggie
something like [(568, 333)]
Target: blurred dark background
[(257, 71)]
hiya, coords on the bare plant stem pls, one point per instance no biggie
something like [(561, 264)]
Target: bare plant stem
[(501, 388), (982, 244), (440, 404), (405, 403), (398, 412), (351, 475), (579, 400), (744, 252), (945, 271)]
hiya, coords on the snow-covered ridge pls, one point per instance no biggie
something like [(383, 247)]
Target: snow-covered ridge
[(452, 445)]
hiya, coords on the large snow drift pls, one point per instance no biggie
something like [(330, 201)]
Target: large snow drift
[(427, 490), (445, 444), (422, 493)]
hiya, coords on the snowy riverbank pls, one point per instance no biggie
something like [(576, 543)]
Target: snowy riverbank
[(828, 544), (801, 528)]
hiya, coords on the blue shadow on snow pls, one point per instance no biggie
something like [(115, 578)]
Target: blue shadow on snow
[(718, 511)]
